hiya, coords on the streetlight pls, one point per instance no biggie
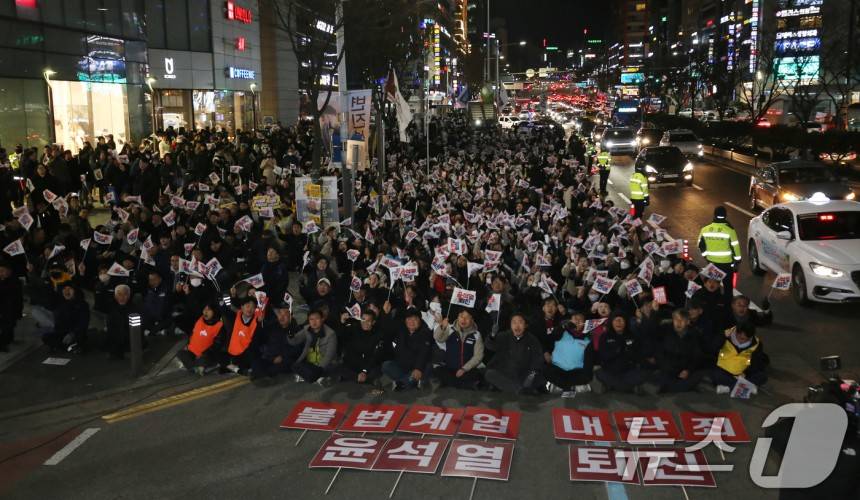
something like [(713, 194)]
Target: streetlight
[(149, 82), (522, 43), (253, 87), (48, 73)]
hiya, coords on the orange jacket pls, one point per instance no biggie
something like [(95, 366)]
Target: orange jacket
[(203, 336), (242, 335)]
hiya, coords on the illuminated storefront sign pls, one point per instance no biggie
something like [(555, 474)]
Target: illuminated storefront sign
[(236, 13), (241, 73), (798, 68), (806, 11), (169, 69)]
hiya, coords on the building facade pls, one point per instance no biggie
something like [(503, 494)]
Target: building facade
[(205, 63), (71, 71)]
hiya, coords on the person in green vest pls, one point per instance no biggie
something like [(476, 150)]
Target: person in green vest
[(604, 163), (639, 191), (718, 242)]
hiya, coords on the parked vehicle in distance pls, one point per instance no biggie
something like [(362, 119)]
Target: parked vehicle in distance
[(795, 180)]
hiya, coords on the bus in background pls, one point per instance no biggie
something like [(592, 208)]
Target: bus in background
[(626, 112)]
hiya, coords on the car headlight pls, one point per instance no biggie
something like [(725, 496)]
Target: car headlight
[(700, 146), (825, 271), (609, 144), (786, 196), (850, 196), (645, 141), (650, 169), (688, 167)]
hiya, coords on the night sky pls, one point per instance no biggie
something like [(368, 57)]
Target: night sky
[(560, 21)]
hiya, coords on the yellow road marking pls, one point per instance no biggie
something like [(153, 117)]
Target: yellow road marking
[(176, 399)]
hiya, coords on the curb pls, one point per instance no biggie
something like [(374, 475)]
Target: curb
[(162, 363), (19, 355)]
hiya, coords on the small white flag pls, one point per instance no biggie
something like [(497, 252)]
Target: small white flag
[(14, 248), (118, 270)]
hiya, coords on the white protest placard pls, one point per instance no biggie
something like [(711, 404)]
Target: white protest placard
[(782, 281), (462, 297), (713, 272), (633, 287)]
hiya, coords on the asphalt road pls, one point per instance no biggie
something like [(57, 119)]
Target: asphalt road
[(799, 335), (228, 444)]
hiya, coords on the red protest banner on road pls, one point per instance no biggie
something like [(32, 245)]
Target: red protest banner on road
[(315, 416), (479, 459), (582, 425), (419, 455), (697, 425), (674, 467), (432, 420), (373, 418), (599, 463), (348, 452), (486, 422), (647, 427)]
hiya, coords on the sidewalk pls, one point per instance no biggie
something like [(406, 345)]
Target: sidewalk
[(27, 380)]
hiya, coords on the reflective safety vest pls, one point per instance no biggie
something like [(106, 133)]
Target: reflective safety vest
[(203, 336), (638, 186), (242, 335), (721, 243), (603, 158), (733, 361)]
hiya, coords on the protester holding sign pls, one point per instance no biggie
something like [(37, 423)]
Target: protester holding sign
[(464, 351)]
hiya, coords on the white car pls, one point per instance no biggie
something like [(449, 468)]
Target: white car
[(817, 241), (508, 121), (685, 140)]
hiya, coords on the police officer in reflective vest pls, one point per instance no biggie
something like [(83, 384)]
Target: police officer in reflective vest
[(639, 191), (719, 244), (603, 165)]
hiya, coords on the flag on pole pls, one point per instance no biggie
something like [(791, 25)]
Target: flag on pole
[(117, 270), (401, 107), (462, 297), (14, 248), (494, 303), (255, 281)]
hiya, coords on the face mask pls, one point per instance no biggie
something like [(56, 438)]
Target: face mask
[(625, 265), (195, 282), (601, 248), (664, 264), (593, 297)]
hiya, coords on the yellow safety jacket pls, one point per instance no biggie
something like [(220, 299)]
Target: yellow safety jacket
[(638, 186), (721, 243), (733, 361), (603, 159)]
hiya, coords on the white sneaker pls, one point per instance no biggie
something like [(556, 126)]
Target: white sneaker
[(233, 368), (753, 389), (568, 394), (553, 389), (299, 378), (583, 388), (723, 389)]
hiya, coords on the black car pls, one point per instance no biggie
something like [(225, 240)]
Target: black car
[(665, 165), (795, 180)]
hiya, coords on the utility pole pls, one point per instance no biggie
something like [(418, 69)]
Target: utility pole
[(846, 99), (347, 178), (487, 77)]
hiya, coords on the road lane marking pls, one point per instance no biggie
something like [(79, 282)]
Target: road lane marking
[(700, 188), (739, 209), (626, 199), (176, 399), (67, 450)]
